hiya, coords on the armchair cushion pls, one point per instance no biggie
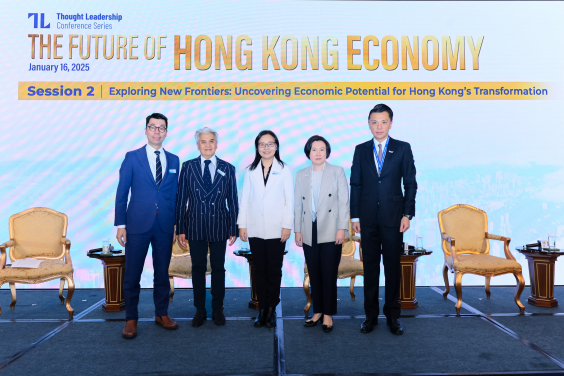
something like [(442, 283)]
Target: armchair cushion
[(48, 268), (37, 233), (468, 226), (480, 264), (183, 266)]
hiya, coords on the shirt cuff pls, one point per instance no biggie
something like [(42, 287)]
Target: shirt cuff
[(355, 220), (121, 226)]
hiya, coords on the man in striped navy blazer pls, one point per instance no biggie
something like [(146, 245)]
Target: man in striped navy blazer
[(208, 186)]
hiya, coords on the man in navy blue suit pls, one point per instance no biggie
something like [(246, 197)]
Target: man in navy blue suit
[(208, 186), (151, 175), (379, 206)]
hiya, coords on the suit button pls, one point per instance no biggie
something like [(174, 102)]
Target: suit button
[(303, 198), (213, 203), (218, 191), (329, 194), (304, 212), (329, 210), (380, 182)]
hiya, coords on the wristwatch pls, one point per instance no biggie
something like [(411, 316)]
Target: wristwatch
[(410, 217)]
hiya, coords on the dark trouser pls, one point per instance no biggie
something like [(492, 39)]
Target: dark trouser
[(268, 256), (385, 241), (136, 250), (199, 254), (323, 265)]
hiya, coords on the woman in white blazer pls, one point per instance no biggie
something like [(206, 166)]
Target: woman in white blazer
[(321, 224), (266, 215)]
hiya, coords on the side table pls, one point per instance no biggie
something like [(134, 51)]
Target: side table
[(253, 303), (408, 272), (114, 270), (541, 273)]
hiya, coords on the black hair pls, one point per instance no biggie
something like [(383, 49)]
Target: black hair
[(309, 144), (379, 108), (257, 155), (156, 115)]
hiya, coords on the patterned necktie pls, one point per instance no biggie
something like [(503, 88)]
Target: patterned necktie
[(159, 170), (380, 156), (207, 175)]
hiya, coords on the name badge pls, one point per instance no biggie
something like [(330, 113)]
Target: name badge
[(221, 172), (274, 173), (172, 171)]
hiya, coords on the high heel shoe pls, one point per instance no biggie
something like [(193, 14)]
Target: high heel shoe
[(309, 323), (327, 328)]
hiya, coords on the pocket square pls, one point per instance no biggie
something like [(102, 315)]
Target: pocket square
[(390, 151)]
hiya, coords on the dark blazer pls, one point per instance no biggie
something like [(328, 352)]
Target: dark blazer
[(380, 197), (135, 175), (211, 215)]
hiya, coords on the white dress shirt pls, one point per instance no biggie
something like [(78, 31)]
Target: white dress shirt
[(376, 143), (213, 166), (152, 157)]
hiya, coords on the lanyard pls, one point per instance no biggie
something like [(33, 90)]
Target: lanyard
[(380, 162), (313, 209)]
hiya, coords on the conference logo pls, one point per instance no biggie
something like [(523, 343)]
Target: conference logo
[(36, 19)]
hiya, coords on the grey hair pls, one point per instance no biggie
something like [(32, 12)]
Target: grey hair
[(205, 130)]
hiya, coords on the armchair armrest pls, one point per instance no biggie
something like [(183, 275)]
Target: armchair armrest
[(67, 245), (506, 241), (3, 247), (357, 239), (452, 242)]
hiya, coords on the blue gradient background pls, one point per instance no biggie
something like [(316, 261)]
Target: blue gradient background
[(504, 157)]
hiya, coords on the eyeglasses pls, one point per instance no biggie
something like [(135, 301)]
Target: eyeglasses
[(152, 128), (269, 145)]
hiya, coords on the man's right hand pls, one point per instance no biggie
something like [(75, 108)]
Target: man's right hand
[(121, 236), (356, 227), (182, 240)]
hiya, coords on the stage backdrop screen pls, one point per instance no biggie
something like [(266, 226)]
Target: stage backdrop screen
[(475, 88)]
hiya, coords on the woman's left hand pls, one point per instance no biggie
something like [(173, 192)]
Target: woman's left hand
[(285, 234), (340, 238)]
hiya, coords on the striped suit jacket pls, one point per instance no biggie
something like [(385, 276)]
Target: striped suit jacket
[(211, 215)]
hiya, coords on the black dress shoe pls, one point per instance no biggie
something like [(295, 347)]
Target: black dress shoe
[(327, 328), (199, 318), (261, 319), (309, 323), (368, 324), (271, 318), (395, 326), (218, 318)]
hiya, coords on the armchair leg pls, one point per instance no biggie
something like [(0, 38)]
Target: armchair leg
[(308, 295), (61, 287), (1, 283), (445, 277), (519, 289), (171, 279), (14, 299), (488, 293), (352, 287), (70, 292), (458, 288)]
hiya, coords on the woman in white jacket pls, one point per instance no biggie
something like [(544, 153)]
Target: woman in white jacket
[(266, 216)]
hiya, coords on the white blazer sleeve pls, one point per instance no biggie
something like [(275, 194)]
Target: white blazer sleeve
[(288, 216), (245, 198), (298, 206)]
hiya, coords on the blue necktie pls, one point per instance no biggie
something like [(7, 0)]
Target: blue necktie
[(159, 170), (207, 175)]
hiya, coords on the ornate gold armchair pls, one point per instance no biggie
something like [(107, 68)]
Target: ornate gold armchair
[(181, 264), (38, 233), (466, 246), (348, 268)]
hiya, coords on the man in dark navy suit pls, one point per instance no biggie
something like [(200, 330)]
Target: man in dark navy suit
[(383, 211), (208, 186), (151, 175)]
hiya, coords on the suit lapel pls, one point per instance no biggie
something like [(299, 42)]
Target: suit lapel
[(326, 181), (142, 155), (274, 175), (369, 157), (257, 177), (197, 166), (390, 156), (306, 184), (165, 172)]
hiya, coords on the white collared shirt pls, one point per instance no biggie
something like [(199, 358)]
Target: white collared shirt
[(152, 157), (213, 166)]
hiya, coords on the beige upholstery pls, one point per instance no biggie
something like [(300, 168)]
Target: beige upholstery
[(38, 233), (349, 267), (466, 246), (181, 264)]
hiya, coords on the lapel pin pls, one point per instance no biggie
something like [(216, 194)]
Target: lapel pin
[(390, 151)]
